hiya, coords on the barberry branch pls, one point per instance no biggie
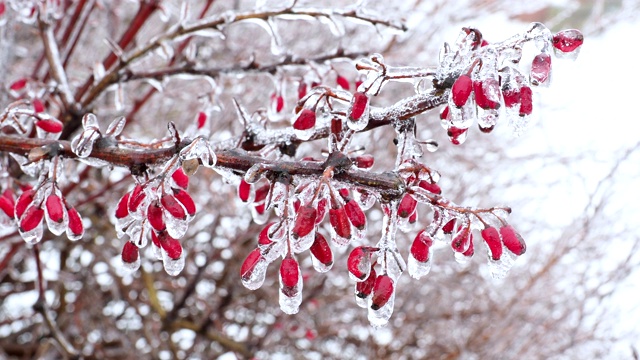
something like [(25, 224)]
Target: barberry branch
[(251, 67), (42, 307), (217, 22), (53, 57)]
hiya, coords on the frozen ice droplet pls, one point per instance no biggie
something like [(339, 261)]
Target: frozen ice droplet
[(365, 199), (291, 298), (500, 268), (258, 273), (173, 267), (380, 317), (175, 227), (418, 269), (132, 266)]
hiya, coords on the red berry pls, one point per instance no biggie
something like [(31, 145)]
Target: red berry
[(136, 198), (50, 125), (122, 210), (421, 245), (55, 210), (75, 222), (359, 262), (263, 237), (321, 250), (305, 221), (444, 113), (430, 187), (23, 201), (492, 238), (249, 264), (407, 206), (470, 251), (130, 253), (180, 178), (186, 200), (511, 97), (302, 90), (289, 272), (171, 204), (306, 120), (154, 216), (322, 210), (448, 227), (382, 291), (18, 84), (340, 222), (170, 245), (260, 208), (365, 288), (154, 239), (512, 240), (359, 105), (540, 68), (461, 90), (31, 219), (244, 190), (202, 119), (568, 40), (261, 193), (279, 102), (526, 101), (364, 161), (7, 206), (342, 82), (38, 106), (480, 90), (355, 214), (460, 242)]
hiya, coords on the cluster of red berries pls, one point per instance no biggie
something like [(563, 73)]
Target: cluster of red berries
[(488, 84), (160, 212), (35, 206)]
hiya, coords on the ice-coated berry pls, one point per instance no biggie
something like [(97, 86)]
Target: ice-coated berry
[(321, 250), (55, 209), (154, 216), (359, 262), (290, 272), (421, 245), (186, 200), (355, 214), (512, 240), (130, 253), (340, 222), (461, 90), (526, 101), (365, 288), (491, 237), (249, 264), (305, 221), (382, 291), (31, 219), (306, 120), (359, 105), (173, 206), (568, 40), (407, 206)]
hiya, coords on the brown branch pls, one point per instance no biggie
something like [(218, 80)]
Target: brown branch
[(216, 23), (55, 63), (42, 307), (249, 68)]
